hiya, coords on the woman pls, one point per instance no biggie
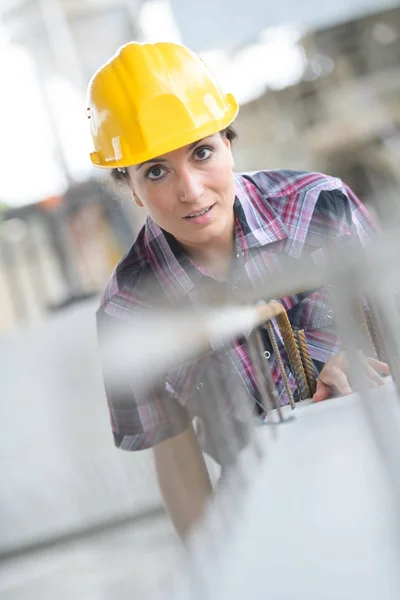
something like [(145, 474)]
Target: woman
[(160, 121)]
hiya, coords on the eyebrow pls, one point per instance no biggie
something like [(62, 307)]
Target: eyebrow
[(163, 160)]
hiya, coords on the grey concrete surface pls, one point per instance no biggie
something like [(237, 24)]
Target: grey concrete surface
[(59, 468), (319, 518), (132, 562), (61, 474)]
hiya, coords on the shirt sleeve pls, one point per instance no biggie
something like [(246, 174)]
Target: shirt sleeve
[(140, 417), (364, 225), (338, 215)]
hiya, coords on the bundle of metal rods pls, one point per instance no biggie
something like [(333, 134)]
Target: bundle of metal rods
[(298, 354)]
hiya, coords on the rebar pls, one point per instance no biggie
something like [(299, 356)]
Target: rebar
[(266, 385), (375, 334), (274, 343), (307, 361), (293, 354)]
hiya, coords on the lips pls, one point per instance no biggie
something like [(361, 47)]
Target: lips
[(199, 213)]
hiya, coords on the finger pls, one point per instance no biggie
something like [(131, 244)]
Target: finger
[(322, 391), (340, 381), (342, 361), (378, 366), (371, 383), (371, 374)]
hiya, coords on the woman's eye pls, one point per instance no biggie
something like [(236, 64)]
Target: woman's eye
[(203, 153), (155, 173)]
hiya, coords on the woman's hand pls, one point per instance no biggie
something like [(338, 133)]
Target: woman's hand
[(334, 376)]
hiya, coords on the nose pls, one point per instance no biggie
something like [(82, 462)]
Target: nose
[(190, 186)]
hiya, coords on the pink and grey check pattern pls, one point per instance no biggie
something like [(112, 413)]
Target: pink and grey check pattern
[(280, 217)]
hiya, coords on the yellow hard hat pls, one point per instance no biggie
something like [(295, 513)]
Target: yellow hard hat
[(149, 99)]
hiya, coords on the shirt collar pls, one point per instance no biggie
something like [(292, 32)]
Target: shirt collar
[(260, 225), (256, 225)]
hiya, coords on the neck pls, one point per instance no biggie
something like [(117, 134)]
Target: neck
[(217, 260)]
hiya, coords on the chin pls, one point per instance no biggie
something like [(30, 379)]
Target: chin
[(211, 231)]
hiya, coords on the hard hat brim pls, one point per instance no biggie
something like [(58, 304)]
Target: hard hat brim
[(181, 139)]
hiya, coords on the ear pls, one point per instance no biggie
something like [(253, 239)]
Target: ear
[(226, 141), (136, 198), (232, 159), (231, 154), (229, 148)]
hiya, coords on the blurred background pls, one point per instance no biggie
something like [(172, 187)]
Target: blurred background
[(319, 89)]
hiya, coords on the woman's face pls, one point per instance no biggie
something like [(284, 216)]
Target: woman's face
[(189, 192)]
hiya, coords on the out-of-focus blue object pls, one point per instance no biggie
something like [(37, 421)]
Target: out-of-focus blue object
[(229, 24)]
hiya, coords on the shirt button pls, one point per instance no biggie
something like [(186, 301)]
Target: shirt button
[(240, 254), (330, 314), (199, 386), (267, 354)]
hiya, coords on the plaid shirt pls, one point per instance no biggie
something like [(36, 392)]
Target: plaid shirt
[(280, 217)]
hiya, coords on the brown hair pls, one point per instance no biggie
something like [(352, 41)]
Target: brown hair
[(122, 177)]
